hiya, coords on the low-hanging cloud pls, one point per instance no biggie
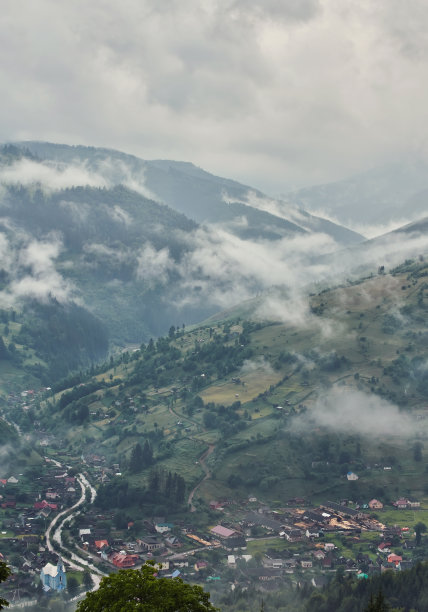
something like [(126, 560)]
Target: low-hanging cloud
[(31, 265), (259, 364), (49, 175), (344, 410)]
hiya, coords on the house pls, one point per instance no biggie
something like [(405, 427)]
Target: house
[(319, 555), (231, 561), (392, 558), (216, 505), (53, 577), (99, 544), (12, 480), (173, 542), (413, 504), (264, 574), (123, 560), (384, 547), (329, 546), (52, 495), (351, 476), (42, 505), (375, 504), (401, 504), (306, 563), (292, 535), (312, 533), (163, 527), (149, 543), (200, 565), (273, 563), (222, 532)]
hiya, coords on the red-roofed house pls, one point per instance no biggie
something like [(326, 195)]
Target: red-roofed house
[(99, 544), (401, 503), (392, 558), (44, 504), (123, 561)]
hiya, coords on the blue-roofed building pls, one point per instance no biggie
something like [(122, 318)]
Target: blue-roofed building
[(53, 577)]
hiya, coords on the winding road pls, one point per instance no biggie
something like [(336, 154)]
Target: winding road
[(54, 531)]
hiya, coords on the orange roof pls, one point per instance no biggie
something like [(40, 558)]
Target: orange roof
[(100, 543)]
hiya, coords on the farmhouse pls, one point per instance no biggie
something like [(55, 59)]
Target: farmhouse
[(375, 504)]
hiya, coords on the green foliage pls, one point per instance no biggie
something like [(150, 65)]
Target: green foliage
[(407, 590), (377, 604), (140, 590), (65, 336), (141, 457), (4, 574)]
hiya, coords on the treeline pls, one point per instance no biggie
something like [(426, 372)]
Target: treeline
[(65, 336), (165, 489), (405, 591)]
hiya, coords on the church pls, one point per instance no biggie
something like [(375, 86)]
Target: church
[(53, 577)]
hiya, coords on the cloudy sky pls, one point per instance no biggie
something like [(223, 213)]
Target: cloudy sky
[(277, 94)]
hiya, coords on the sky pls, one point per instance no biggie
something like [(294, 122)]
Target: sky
[(277, 94)]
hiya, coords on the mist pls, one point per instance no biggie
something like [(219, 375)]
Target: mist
[(348, 411)]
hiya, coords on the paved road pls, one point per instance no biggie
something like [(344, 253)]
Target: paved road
[(54, 531)]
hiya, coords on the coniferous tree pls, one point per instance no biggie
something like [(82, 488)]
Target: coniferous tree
[(137, 459)]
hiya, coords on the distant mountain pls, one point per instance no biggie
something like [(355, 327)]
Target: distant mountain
[(100, 247), (198, 194), (390, 193)]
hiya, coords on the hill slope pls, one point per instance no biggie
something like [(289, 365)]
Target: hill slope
[(284, 410)]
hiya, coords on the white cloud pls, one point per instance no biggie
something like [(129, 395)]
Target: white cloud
[(345, 410), (153, 265), (276, 93), (49, 175), (32, 266)]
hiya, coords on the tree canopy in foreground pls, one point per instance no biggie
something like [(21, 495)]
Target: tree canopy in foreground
[(4, 573), (130, 590)]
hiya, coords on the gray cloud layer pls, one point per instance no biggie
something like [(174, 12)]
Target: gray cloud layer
[(275, 93)]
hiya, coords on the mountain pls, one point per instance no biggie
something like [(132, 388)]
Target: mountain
[(393, 192), (121, 237), (196, 193)]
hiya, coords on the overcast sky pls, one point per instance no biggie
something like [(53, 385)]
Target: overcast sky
[(276, 94)]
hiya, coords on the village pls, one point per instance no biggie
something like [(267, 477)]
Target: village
[(56, 538), (248, 543)]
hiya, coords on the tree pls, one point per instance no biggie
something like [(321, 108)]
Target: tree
[(72, 586), (4, 574), (140, 590), (420, 528), (417, 451), (88, 583), (137, 461), (377, 604)]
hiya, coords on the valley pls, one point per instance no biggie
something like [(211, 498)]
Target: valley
[(283, 434)]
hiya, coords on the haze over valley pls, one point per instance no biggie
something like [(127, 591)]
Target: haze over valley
[(214, 306)]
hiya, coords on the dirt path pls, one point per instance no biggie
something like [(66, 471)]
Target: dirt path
[(204, 466), (201, 460)]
